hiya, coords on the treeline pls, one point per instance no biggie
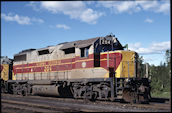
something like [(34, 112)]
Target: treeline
[(160, 76)]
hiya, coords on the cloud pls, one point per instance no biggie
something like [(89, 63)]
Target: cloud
[(149, 59), (75, 10), (37, 20), (154, 48), (63, 26), (164, 8), (90, 16), (23, 20), (136, 6), (19, 19), (148, 20), (34, 5)]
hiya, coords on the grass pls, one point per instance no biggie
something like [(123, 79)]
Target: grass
[(161, 94)]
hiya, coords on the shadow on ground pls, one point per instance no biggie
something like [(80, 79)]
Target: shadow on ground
[(159, 100)]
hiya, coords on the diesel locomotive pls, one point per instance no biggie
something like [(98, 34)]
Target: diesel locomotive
[(96, 68)]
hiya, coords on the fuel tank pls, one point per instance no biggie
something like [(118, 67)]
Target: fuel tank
[(46, 90)]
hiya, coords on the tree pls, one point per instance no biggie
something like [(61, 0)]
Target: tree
[(160, 79), (141, 67), (168, 56), (168, 61)]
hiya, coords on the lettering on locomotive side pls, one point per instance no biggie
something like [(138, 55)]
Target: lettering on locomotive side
[(41, 64), (47, 68), (54, 62)]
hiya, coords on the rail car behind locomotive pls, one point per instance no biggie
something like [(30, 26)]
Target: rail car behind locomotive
[(96, 68), (6, 71)]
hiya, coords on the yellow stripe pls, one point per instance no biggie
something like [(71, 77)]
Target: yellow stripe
[(118, 51), (52, 65), (103, 59), (84, 60), (109, 52), (57, 64), (52, 60), (47, 61)]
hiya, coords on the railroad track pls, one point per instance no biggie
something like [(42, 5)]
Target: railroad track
[(32, 107), (32, 104)]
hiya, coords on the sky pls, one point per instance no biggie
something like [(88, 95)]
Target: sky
[(142, 24)]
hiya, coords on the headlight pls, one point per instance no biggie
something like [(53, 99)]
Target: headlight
[(127, 80)]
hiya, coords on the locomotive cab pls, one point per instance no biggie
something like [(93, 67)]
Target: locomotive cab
[(122, 66)]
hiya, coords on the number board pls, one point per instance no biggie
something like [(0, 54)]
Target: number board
[(105, 41)]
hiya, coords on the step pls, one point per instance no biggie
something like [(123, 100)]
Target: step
[(119, 96)]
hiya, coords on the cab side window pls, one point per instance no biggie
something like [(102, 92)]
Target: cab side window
[(84, 52)]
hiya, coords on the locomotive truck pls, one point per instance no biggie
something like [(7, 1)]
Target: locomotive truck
[(96, 68)]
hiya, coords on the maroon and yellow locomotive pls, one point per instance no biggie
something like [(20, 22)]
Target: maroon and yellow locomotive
[(97, 68)]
